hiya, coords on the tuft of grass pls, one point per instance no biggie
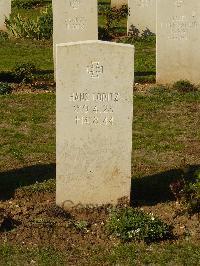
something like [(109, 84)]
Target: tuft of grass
[(24, 72), (184, 86), (5, 88), (81, 226)]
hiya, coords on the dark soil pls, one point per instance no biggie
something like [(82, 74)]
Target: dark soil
[(36, 220)]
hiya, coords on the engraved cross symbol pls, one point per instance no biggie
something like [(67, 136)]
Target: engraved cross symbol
[(75, 4), (95, 69), (178, 3)]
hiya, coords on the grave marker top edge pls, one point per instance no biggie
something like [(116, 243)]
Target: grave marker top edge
[(96, 42)]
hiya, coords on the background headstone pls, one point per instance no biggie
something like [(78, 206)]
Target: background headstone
[(142, 15), (5, 10), (178, 40), (74, 20), (94, 122), (118, 3)]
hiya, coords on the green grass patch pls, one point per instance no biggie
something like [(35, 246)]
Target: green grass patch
[(162, 254), (15, 255), (27, 128)]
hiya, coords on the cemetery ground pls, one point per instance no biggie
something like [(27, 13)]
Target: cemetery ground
[(166, 144)]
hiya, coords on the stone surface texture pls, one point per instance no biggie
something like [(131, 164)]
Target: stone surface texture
[(142, 15), (94, 122), (5, 10), (178, 40), (118, 3)]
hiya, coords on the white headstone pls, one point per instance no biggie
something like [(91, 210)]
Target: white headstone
[(142, 15), (94, 122), (178, 40), (75, 20), (5, 10), (118, 3)]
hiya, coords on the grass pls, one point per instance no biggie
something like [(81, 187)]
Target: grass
[(127, 254), (163, 254), (14, 255), (166, 130), (27, 128), (14, 52)]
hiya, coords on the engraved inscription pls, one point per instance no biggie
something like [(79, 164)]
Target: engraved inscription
[(94, 120), (179, 27), (75, 4), (99, 97), (94, 108), (104, 109), (95, 69), (77, 23), (79, 97)]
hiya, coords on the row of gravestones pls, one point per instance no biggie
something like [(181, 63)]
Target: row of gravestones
[(177, 27), (177, 30)]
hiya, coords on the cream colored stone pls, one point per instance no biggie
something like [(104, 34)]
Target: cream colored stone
[(142, 15), (118, 3), (75, 20), (94, 122), (178, 40), (5, 10)]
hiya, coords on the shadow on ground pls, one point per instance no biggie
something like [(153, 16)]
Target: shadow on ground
[(10, 77), (153, 189), (13, 179), (6, 77), (146, 73), (147, 190), (145, 77), (43, 72)]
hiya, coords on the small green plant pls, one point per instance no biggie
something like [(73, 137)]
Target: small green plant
[(133, 33), (24, 72), (3, 35), (184, 86), (81, 225), (45, 22), (191, 193), (112, 18), (22, 28), (39, 29), (5, 88), (187, 191), (131, 224), (147, 33)]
